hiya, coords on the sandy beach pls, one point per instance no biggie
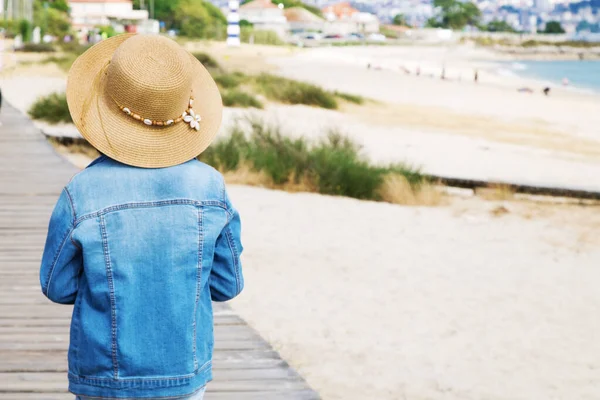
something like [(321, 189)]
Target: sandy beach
[(485, 131), (375, 301), (476, 299)]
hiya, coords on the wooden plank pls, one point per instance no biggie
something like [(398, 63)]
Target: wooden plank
[(34, 334)]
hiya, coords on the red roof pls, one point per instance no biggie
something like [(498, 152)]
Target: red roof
[(340, 10), (256, 4)]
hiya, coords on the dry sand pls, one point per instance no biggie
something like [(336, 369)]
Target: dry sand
[(376, 301), (491, 300)]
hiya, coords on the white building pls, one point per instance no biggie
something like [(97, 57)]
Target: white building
[(343, 19), (87, 14), (265, 15)]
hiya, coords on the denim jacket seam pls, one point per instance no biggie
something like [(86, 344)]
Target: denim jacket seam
[(46, 287), (111, 288), (149, 204), (198, 370), (230, 215), (75, 326), (224, 198), (198, 281), (235, 255), (70, 197)]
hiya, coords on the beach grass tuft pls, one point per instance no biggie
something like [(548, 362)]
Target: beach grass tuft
[(351, 98), (229, 81), (250, 35), (334, 165), (64, 62), (36, 48), (238, 98), (52, 108), (289, 91), (259, 154), (208, 61), (272, 87)]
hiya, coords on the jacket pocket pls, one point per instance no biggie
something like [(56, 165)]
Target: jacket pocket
[(153, 268)]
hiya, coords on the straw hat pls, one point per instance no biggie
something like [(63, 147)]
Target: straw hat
[(144, 101)]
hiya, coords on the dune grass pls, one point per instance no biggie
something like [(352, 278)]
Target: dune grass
[(208, 61), (64, 62), (250, 35), (351, 98), (238, 98), (36, 48), (289, 91), (232, 80), (52, 108), (334, 165), (240, 90), (255, 153)]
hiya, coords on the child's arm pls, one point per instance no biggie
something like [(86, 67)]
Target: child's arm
[(62, 261), (226, 279)]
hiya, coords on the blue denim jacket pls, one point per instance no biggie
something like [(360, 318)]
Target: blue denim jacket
[(141, 253)]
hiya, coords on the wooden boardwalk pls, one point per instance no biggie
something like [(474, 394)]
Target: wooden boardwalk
[(34, 332)]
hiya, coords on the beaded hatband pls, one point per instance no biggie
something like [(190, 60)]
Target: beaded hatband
[(188, 116)]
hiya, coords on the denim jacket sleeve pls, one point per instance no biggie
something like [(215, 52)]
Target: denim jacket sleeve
[(61, 261), (226, 279)]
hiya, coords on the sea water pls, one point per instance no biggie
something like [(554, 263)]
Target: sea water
[(583, 74)]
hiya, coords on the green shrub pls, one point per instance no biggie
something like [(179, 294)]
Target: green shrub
[(52, 108), (11, 28), (333, 166), (209, 63), (352, 98), (340, 170), (37, 48), (64, 62), (237, 98), (229, 81), (25, 30), (249, 34), (74, 47), (57, 23), (280, 157), (227, 154), (293, 92), (108, 29)]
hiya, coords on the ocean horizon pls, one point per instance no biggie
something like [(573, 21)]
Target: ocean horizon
[(584, 74)]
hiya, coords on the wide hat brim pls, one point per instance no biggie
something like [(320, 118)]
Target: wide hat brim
[(102, 123)]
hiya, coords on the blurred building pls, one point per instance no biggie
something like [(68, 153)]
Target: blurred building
[(343, 19), (301, 20), (87, 14), (265, 15)]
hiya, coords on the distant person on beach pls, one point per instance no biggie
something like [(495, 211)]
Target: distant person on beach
[(476, 77), (145, 238), (546, 91), (565, 81)]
